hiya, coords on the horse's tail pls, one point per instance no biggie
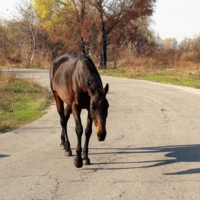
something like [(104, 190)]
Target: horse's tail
[(51, 76)]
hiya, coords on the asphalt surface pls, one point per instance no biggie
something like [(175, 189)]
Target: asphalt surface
[(152, 149)]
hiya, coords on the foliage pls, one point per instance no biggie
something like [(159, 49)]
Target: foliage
[(50, 12), (88, 23), (46, 29), (114, 14), (170, 43), (107, 31)]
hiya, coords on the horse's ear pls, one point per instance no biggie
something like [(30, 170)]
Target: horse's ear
[(105, 90)]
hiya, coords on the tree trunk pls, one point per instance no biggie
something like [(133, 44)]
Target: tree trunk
[(82, 45), (103, 56)]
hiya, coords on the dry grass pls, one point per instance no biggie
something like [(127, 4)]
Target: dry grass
[(5, 79), (178, 72), (154, 66)]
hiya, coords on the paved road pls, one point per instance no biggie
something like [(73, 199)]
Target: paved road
[(152, 150)]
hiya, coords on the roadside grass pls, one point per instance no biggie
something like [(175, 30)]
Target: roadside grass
[(21, 101), (184, 77), (25, 101)]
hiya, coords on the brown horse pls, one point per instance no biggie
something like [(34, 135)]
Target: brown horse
[(75, 81)]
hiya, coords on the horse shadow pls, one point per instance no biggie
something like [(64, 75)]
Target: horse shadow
[(174, 154), (4, 155)]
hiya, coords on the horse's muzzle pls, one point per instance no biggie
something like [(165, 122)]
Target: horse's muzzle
[(101, 136)]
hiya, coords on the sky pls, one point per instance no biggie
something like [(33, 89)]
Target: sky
[(177, 19), (7, 6), (172, 18)]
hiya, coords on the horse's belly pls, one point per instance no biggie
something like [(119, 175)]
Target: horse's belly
[(64, 94)]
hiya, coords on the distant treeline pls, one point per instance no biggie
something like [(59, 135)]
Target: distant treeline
[(107, 31)]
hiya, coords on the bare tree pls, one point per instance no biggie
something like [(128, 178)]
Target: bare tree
[(27, 17), (115, 13)]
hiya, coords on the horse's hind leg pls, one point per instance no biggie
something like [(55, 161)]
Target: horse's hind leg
[(64, 116), (78, 161), (88, 132), (68, 151)]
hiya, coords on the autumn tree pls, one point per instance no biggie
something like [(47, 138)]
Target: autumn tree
[(19, 35), (28, 21), (138, 36), (170, 43), (186, 44), (67, 22), (196, 44), (21, 39), (190, 48), (80, 16), (135, 39), (114, 14)]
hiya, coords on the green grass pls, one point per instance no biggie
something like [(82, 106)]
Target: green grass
[(21, 102), (181, 77), (114, 72)]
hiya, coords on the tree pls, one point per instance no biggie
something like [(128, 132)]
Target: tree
[(135, 39), (80, 16), (19, 35), (186, 44), (196, 44), (66, 21), (28, 21), (170, 43), (116, 13), (4, 42)]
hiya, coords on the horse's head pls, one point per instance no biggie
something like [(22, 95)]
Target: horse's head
[(99, 110)]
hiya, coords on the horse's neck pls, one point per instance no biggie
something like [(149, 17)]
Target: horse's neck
[(94, 80)]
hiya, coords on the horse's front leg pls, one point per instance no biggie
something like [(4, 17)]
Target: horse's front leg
[(88, 132), (78, 161)]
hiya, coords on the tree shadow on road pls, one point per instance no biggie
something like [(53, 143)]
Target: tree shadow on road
[(174, 154)]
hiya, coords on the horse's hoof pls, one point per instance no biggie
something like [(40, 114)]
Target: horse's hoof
[(68, 153), (78, 162), (62, 146), (86, 161)]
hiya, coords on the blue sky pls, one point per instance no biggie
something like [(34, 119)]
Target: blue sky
[(172, 18)]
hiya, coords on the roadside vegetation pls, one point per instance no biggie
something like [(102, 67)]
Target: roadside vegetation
[(190, 78), (185, 74), (117, 35), (21, 101)]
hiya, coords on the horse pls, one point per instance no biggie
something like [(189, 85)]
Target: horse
[(76, 83)]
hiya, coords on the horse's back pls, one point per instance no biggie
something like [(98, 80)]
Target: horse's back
[(60, 65), (66, 58), (70, 76), (88, 70)]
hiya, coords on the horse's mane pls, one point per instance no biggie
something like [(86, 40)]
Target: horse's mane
[(91, 74)]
